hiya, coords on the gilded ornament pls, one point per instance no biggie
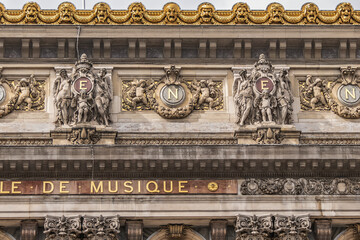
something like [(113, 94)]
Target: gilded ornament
[(172, 14), (213, 186), (66, 11)]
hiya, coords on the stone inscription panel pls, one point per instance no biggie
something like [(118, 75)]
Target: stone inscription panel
[(121, 187)]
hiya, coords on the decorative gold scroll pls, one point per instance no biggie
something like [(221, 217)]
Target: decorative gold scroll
[(171, 14)]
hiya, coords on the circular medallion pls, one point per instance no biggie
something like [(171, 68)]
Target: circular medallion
[(2, 93), (213, 187), (172, 95), (264, 84), (349, 94), (82, 84)]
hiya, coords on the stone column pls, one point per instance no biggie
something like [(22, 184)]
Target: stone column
[(71, 51), (142, 48), (134, 230), (323, 229), (318, 48), (307, 49), (272, 49), (218, 229), (29, 229), (1, 48), (282, 50), (212, 46), (167, 48), (343, 48), (96, 48), (352, 49), (35, 48)]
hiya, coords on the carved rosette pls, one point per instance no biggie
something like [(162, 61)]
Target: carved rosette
[(263, 96), (172, 96), (341, 96), (253, 227), (62, 228), (300, 186), (291, 227), (26, 94), (101, 228)]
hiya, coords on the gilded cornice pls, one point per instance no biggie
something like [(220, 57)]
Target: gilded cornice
[(171, 14)]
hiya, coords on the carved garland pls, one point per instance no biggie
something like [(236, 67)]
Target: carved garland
[(172, 14)]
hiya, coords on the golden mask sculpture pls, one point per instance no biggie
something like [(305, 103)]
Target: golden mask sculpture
[(66, 11), (31, 12), (172, 14), (276, 12), (206, 13), (346, 12), (311, 12), (242, 11), (102, 12), (137, 12), (172, 11)]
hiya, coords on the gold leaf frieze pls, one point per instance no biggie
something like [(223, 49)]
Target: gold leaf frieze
[(171, 14)]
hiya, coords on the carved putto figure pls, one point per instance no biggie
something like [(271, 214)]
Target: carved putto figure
[(84, 96), (263, 96), (315, 90)]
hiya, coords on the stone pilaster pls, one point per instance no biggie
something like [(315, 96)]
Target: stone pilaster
[(134, 230), (29, 229), (218, 229)]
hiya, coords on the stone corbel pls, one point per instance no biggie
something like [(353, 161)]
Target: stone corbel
[(323, 229), (175, 231), (218, 229), (29, 229), (134, 230)]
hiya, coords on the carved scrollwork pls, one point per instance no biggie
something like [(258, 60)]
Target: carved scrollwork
[(263, 96), (26, 94), (253, 227), (300, 186), (272, 227), (101, 228), (268, 136), (291, 227), (341, 96), (172, 14), (62, 228), (172, 96), (84, 135)]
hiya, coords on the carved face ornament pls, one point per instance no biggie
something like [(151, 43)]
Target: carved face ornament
[(345, 12), (102, 13), (137, 13), (172, 12), (276, 13), (311, 13), (206, 14), (66, 12), (31, 13), (242, 13)]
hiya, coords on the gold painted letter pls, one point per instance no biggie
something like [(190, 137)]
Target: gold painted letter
[(2, 188), (128, 184), (181, 186), (170, 92), (156, 187), (171, 187), (116, 187), (352, 94), (51, 187), (62, 187), (13, 187), (100, 187)]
